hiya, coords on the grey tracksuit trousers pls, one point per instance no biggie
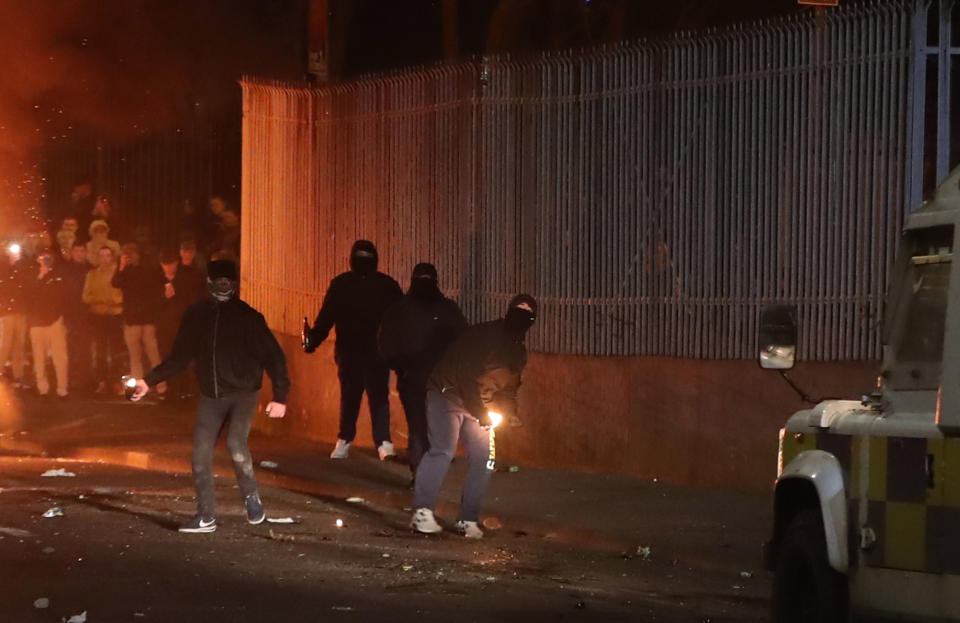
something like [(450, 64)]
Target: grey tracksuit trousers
[(446, 423)]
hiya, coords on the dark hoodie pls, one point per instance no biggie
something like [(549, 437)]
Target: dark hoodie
[(418, 329), (355, 303), (482, 368), (231, 346)]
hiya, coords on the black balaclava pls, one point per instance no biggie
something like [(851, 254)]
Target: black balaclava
[(222, 280), (423, 283), (521, 313), (363, 257)]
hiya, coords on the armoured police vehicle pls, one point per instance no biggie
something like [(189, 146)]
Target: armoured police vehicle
[(867, 498)]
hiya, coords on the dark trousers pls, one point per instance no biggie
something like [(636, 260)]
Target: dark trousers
[(211, 415), (449, 423), (79, 350), (358, 375), (413, 395), (108, 347)]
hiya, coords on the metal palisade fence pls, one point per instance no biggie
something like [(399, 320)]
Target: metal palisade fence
[(652, 195)]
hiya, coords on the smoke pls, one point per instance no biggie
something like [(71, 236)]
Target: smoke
[(73, 70)]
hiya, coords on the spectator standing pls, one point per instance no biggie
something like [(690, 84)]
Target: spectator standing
[(230, 239), (414, 334), (354, 304), (142, 287), (13, 322), (66, 236), (213, 231), (48, 336), (99, 238), (76, 316), (106, 305), (190, 280)]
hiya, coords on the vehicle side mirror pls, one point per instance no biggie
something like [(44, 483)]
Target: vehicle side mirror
[(778, 336)]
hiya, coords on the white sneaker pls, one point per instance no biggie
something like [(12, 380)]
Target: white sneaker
[(469, 529), (385, 450), (424, 521), (341, 450)]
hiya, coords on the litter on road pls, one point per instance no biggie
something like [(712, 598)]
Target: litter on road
[(269, 464), (50, 473), (342, 608), (644, 552), (356, 500), (41, 603), (281, 520), (78, 618), (56, 511), (15, 532)]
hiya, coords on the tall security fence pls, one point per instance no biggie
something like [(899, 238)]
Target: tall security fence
[(653, 196)]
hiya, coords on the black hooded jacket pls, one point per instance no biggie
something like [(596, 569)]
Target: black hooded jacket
[(417, 330), (481, 369), (355, 303), (231, 346)]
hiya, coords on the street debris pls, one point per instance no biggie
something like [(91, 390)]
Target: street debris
[(581, 605), (339, 523), (644, 552), (41, 603), (56, 511), (746, 574), (278, 536), (48, 550), (355, 500), (385, 555), (281, 520), (342, 608), (492, 523), (514, 469), (57, 472), (407, 567), (15, 532), (269, 464), (78, 618)]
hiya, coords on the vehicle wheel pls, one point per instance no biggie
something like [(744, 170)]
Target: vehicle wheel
[(806, 588)]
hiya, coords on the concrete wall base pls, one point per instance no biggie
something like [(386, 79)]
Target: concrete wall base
[(682, 421)]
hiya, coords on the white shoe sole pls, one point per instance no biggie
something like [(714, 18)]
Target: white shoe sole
[(205, 530), (258, 521), (424, 530)]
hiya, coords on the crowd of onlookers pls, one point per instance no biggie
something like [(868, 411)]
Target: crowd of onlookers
[(96, 303)]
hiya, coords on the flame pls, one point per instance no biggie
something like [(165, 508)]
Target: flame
[(495, 418)]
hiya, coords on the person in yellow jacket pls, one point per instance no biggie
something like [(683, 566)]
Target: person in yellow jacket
[(106, 305)]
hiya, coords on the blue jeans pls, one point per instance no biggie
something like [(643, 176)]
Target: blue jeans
[(446, 424)]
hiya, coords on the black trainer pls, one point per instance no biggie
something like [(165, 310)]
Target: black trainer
[(255, 514), (199, 525)]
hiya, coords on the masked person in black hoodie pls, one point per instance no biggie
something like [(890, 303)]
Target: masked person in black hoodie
[(230, 344), (477, 376), (355, 303), (414, 334)]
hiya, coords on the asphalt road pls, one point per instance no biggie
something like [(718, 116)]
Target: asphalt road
[(572, 547)]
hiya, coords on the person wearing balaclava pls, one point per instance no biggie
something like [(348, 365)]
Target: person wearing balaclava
[(355, 303), (230, 346), (414, 334), (477, 376)]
